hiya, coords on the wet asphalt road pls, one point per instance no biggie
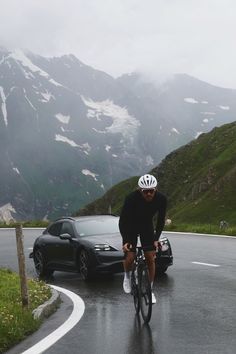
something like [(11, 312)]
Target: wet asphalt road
[(195, 312)]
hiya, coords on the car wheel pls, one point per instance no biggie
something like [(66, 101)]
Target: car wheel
[(84, 267), (40, 266)]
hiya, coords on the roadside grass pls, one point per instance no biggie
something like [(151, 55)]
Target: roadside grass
[(196, 228), (202, 228), (15, 322), (34, 223)]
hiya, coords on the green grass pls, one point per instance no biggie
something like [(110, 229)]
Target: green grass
[(15, 322), (202, 229), (32, 223)]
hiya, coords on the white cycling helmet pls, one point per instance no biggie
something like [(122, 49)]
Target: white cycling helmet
[(147, 182)]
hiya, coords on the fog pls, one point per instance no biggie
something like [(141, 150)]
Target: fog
[(157, 37)]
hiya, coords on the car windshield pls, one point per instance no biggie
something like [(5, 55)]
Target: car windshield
[(97, 227)]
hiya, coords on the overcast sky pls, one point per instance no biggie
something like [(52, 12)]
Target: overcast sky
[(159, 37)]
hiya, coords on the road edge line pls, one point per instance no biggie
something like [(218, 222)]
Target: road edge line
[(74, 318), (197, 234)]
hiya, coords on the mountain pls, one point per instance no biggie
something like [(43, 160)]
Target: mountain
[(198, 180), (69, 132)]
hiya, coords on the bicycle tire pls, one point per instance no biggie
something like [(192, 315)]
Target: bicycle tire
[(135, 290), (145, 293)]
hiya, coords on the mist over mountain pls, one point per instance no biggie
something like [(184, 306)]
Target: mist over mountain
[(68, 132), (197, 178)]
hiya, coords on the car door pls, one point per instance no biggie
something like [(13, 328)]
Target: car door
[(67, 248), (51, 242)]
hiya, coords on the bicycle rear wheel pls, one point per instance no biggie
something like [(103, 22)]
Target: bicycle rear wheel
[(134, 289), (145, 293)]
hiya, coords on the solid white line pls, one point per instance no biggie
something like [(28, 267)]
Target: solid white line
[(206, 264), (74, 318), (198, 234)]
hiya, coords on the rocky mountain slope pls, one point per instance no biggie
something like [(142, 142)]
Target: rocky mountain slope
[(68, 132), (199, 180)]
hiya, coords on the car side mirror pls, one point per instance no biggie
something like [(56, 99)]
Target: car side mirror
[(66, 237)]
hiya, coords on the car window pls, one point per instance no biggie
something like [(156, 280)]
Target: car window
[(97, 227), (67, 228), (55, 229)]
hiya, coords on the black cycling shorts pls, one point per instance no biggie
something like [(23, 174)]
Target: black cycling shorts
[(146, 239)]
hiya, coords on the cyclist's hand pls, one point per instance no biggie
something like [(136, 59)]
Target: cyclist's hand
[(126, 247), (157, 245)]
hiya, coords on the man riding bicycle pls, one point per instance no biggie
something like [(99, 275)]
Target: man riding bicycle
[(136, 219)]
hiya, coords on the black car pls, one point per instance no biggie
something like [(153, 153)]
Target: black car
[(86, 244)]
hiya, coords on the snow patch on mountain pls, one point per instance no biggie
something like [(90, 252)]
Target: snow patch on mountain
[(123, 122), (197, 135), (16, 170), (64, 139), (4, 106), (20, 56), (28, 100), (46, 96), (190, 100), (225, 108), (86, 148), (174, 130), (208, 113), (89, 173), (62, 118), (149, 160)]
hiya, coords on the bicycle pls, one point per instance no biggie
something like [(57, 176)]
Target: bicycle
[(140, 286)]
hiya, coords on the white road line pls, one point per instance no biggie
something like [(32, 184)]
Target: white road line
[(74, 318), (206, 264), (198, 234)]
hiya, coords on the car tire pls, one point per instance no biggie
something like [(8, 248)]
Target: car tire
[(40, 266), (84, 267)]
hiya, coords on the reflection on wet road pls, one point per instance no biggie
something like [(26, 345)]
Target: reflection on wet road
[(195, 312)]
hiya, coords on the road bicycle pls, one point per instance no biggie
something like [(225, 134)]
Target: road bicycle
[(140, 286)]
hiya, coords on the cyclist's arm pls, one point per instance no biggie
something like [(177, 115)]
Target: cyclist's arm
[(125, 224), (161, 219)]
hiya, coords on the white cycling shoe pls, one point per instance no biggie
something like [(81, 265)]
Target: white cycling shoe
[(127, 286), (154, 300)]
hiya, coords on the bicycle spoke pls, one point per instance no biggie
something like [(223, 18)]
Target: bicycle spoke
[(135, 292), (145, 294)]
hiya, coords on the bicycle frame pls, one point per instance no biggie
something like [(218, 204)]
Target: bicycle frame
[(141, 288)]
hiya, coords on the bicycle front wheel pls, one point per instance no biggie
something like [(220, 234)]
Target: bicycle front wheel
[(134, 288), (145, 293)]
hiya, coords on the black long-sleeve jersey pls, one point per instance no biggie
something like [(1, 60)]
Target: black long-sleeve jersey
[(137, 214)]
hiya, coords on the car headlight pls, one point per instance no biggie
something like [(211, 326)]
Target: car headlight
[(103, 247), (164, 245)]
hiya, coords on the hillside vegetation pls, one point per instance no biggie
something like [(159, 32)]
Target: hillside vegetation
[(199, 180)]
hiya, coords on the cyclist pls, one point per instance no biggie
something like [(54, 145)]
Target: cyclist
[(136, 218)]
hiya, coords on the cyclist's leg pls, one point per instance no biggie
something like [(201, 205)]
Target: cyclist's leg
[(150, 259), (147, 241), (128, 263), (130, 256)]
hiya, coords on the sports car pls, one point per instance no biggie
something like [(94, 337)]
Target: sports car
[(88, 245)]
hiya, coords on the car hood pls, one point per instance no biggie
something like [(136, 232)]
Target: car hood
[(114, 240)]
